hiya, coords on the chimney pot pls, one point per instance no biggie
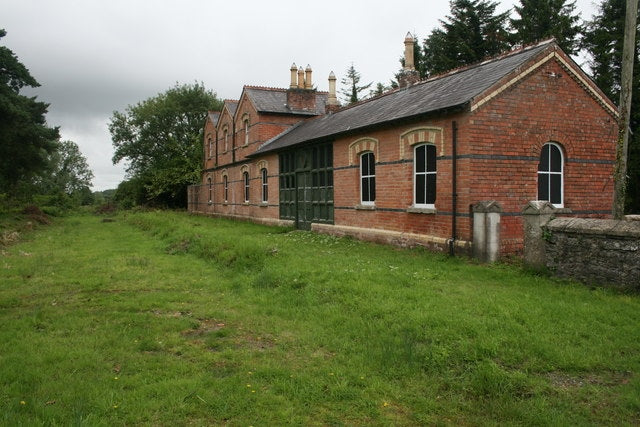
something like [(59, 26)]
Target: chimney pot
[(294, 76), (408, 52), (332, 100), (307, 78), (300, 78)]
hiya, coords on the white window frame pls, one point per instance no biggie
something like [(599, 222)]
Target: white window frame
[(549, 173), (210, 185), (245, 182), (369, 177), (265, 185), (225, 183), (415, 176), (246, 131)]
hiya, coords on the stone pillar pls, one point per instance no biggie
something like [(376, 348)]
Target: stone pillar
[(536, 214), (486, 231)]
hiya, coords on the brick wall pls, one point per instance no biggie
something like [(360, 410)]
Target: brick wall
[(499, 146)]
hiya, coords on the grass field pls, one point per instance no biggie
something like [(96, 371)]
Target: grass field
[(162, 318)]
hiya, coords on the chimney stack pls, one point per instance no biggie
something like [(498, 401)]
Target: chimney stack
[(332, 101), (408, 52), (294, 76), (408, 75), (301, 96)]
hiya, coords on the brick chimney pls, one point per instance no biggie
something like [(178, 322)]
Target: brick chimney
[(408, 75), (332, 102), (301, 96)]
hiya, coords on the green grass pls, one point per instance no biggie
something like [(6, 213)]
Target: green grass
[(163, 318)]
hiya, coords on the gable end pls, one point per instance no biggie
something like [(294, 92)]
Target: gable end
[(600, 98)]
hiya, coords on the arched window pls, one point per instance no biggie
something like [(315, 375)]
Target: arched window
[(367, 178), (550, 175), (424, 166), (226, 139), (225, 184), (246, 131), (210, 148), (265, 185), (245, 180), (210, 190)]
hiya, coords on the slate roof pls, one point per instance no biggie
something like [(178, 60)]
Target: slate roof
[(274, 100), (232, 105), (214, 116), (453, 90)]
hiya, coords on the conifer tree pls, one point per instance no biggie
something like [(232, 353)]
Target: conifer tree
[(543, 19), (353, 88), (25, 138), (472, 32)]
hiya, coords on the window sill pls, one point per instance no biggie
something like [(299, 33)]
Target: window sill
[(428, 211), (365, 207), (209, 202), (264, 204)]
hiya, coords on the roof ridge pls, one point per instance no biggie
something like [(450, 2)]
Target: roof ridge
[(489, 59), (276, 89), (270, 88)]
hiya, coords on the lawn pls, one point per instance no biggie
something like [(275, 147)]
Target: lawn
[(161, 318)]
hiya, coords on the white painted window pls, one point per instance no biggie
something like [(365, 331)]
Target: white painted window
[(551, 175), (265, 185), (424, 166), (367, 178)]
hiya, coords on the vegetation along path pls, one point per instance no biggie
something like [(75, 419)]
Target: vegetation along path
[(161, 318)]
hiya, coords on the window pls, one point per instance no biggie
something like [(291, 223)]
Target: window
[(226, 140), (210, 148), (246, 132), (245, 179), (210, 190), (225, 184), (265, 185), (367, 179), (550, 175), (424, 161)]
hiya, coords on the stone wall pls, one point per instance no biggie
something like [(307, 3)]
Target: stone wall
[(594, 251)]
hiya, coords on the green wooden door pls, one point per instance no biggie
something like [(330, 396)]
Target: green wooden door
[(304, 206), (306, 185)]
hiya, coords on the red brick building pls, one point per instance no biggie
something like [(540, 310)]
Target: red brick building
[(409, 166)]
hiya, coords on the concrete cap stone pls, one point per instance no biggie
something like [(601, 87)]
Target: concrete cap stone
[(489, 206), (538, 207)]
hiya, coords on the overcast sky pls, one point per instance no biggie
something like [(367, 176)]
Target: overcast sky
[(93, 57)]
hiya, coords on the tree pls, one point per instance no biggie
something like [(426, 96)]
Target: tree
[(379, 90), (161, 139), (353, 88), (543, 19), (603, 41), (68, 170), (472, 32), (25, 139)]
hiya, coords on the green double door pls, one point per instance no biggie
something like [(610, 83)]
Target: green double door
[(306, 186)]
